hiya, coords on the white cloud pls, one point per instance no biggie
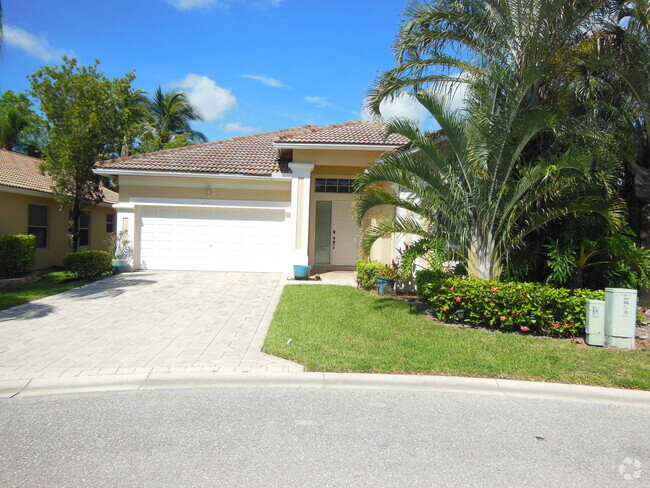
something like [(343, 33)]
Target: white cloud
[(267, 80), (203, 4), (406, 106), (191, 4), (212, 100), (36, 46), (319, 101), (402, 106), (239, 128)]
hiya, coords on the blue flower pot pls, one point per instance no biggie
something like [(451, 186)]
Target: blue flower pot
[(120, 265), (383, 283), (301, 272)]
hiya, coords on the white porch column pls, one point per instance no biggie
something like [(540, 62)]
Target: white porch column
[(300, 199), (126, 221)]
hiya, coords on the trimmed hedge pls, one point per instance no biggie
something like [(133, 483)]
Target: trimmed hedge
[(17, 255), (367, 272), (88, 264), (520, 307)]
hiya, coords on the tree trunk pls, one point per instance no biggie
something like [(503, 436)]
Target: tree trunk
[(73, 229), (642, 193), (483, 261)]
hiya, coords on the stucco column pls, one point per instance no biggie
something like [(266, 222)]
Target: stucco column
[(300, 200), (126, 221)]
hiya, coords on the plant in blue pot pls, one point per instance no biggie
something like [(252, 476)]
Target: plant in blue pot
[(120, 248), (386, 277)]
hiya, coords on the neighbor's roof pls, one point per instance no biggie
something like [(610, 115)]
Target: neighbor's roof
[(250, 155), (20, 171), (357, 133)]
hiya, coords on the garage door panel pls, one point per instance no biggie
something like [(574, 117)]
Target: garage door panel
[(213, 239)]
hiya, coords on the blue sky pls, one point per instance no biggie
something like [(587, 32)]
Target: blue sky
[(249, 65)]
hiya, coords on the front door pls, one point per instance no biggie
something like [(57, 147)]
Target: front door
[(336, 242)]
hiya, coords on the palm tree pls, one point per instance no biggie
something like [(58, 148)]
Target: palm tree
[(623, 49), (481, 196), (456, 41), (21, 129), (172, 113)]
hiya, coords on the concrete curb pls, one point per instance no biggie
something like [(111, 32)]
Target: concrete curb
[(486, 386)]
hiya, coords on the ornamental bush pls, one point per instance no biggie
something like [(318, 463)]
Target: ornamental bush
[(367, 272), (88, 264), (510, 307), (17, 255)]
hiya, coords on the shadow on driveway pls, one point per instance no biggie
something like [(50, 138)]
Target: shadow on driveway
[(26, 311), (110, 287)]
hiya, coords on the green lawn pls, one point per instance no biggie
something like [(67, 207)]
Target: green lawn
[(52, 283), (336, 328)]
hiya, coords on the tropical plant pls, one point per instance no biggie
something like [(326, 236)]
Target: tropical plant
[(481, 196), (171, 113), (119, 245), (623, 49), (446, 42), (21, 130)]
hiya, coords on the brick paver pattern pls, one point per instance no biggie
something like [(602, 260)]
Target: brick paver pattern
[(148, 321)]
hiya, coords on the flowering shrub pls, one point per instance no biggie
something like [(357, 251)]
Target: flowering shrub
[(521, 307)]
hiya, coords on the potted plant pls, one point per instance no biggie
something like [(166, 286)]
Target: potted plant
[(120, 248), (386, 277)]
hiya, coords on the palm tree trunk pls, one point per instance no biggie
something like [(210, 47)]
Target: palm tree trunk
[(483, 261), (642, 193)]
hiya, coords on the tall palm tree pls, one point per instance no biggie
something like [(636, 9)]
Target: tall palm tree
[(623, 50), (172, 113), (21, 129), (481, 196), (456, 41)]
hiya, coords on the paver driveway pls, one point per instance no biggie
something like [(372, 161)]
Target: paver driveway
[(147, 321)]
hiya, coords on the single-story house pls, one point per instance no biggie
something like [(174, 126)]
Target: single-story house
[(27, 206), (262, 202)]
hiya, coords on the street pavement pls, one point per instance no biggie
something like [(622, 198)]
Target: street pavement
[(304, 437)]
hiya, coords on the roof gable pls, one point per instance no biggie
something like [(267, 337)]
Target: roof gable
[(20, 171)]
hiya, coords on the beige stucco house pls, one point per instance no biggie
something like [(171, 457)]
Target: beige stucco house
[(27, 206), (263, 202)]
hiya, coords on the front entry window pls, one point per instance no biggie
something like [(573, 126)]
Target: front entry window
[(333, 185), (323, 232)]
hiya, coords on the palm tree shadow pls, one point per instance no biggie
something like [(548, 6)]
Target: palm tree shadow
[(26, 311)]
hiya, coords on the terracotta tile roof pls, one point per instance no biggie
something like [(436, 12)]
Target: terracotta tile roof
[(20, 171), (357, 132), (250, 155), (245, 155)]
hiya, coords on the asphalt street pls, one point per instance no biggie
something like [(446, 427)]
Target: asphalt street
[(277, 437)]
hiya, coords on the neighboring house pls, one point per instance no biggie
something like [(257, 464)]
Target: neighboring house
[(255, 203), (27, 206)]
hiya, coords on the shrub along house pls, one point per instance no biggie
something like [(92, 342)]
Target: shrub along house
[(263, 202), (27, 206)]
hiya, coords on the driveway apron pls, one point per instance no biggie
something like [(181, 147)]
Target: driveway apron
[(160, 321)]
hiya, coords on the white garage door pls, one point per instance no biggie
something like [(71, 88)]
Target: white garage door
[(213, 239)]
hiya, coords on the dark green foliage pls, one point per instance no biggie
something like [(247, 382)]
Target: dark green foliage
[(88, 264), (21, 130), (367, 272), (17, 255), (511, 307)]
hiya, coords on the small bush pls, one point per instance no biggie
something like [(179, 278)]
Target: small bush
[(17, 255), (525, 307), (88, 264), (367, 272)]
